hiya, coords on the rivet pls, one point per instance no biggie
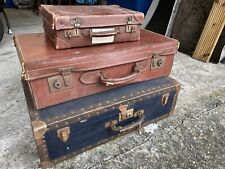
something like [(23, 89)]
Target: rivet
[(67, 123), (131, 94), (78, 118), (105, 109), (64, 115), (114, 99), (124, 97), (107, 101), (82, 109), (99, 104), (97, 112)]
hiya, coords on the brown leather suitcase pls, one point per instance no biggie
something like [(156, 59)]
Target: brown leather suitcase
[(56, 76), (77, 26)]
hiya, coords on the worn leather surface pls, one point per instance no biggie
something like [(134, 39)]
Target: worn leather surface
[(84, 39), (42, 61), (62, 17), (56, 19)]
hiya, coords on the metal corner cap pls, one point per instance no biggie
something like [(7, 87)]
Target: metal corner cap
[(39, 129)]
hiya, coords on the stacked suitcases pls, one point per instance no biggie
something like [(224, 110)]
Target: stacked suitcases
[(82, 92)]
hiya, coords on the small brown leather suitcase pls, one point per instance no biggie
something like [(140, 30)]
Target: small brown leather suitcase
[(56, 76), (77, 26)]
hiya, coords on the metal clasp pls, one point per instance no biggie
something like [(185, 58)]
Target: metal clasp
[(71, 33), (76, 23), (129, 27), (157, 61), (62, 81), (63, 134), (165, 99), (125, 113)]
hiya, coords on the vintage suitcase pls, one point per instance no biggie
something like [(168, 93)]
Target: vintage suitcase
[(56, 76), (77, 26), (70, 128)]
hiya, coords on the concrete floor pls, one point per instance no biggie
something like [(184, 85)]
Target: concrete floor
[(194, 137)]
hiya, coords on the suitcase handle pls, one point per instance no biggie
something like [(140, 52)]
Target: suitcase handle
[(103, 33), (138, 123), (122, 80)]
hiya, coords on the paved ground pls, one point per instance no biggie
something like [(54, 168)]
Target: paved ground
[(194, 137)]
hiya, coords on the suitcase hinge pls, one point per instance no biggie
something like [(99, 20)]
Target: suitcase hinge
[(39, 129), (63, 134), (157, 61), (23, 73), (64, 81)]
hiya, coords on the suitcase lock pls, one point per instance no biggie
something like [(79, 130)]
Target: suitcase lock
[(69, 33), (63, 134), (157, 61), (60, 82)]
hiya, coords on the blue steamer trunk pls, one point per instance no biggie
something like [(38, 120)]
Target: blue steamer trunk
[(70, 128)]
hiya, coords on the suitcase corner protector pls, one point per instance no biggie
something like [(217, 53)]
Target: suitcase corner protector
[(46, 164), (39, 129)]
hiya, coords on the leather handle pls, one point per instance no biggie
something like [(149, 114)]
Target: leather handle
[(138, 123), (103, 33), (122, 80)]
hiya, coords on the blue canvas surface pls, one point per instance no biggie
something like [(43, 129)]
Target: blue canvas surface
[(93, 130)]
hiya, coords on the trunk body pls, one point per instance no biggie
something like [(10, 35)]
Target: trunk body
[(67, 129)]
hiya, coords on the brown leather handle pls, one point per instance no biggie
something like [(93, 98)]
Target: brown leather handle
[(122, 80), (129, 126), (103, 33)]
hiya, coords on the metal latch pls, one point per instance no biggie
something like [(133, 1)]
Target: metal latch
[(63, 134), (62, 81), (76, 23), (157, 61), (69, 33), (125, 113), (165, 99), (129, 27)]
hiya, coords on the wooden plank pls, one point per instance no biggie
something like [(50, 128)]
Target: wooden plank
[(211, 32)]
